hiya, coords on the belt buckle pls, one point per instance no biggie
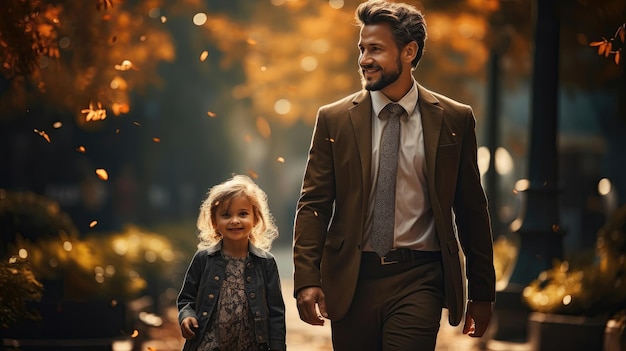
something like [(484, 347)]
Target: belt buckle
[(384, 262)]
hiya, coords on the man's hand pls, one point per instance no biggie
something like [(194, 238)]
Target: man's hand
[(477, 318), (307, 300), (188, 326)]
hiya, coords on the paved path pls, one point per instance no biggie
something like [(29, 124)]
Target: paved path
[(300, 336)]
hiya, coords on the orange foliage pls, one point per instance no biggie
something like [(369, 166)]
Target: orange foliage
[(612, 46), (85, 53)]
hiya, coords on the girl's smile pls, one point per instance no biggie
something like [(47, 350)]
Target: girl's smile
[(234, 221)]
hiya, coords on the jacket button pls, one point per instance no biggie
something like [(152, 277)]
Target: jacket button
[(249, 279), (258, 314), (205, 313), (252, 295), (216, 278), (249, 265), (211, 296)]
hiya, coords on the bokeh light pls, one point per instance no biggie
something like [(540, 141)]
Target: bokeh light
[(199, 18)]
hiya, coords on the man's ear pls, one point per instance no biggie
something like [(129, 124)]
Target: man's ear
[(410, 51)]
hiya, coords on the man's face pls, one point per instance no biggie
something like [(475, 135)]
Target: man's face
[(380, 58)]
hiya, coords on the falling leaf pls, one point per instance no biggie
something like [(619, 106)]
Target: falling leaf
[(57, 125), (156, 140), (137, 124), (163, 19), (135, 333), (113, 39), (93, 224), (263, 127), (252, 174), (204, 55), (280, 159), (102, 174), (251, 41), (43, 134), (211, 114), (81, 149)]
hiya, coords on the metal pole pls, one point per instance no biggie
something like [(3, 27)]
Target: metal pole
[(541, 235)]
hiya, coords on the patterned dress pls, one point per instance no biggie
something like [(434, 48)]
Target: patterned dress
[(229, 328)]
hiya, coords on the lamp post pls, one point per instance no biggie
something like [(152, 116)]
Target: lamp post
[(540, 234)]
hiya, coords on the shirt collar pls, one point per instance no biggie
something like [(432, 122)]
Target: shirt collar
[(408, 101)]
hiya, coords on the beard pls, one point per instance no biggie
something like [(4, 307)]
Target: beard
[(386, 78)]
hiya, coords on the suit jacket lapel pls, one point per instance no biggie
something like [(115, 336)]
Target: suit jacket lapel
[(432, 119), (361, 117)]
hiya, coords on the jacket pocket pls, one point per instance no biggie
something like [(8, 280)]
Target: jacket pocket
[(334, 241), (448, 150)]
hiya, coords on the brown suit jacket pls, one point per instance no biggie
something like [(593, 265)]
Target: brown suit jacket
[(330, 219)]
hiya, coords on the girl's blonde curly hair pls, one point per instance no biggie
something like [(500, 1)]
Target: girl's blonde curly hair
[(264, 231)]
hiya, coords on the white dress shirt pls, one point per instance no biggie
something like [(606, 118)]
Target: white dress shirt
[(414, 221)]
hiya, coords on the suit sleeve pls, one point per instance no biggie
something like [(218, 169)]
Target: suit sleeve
[(314, 208), (473, 221)]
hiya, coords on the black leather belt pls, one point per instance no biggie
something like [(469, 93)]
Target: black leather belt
[(402, 256)]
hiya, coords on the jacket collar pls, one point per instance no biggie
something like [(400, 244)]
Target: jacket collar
[(212, 250)]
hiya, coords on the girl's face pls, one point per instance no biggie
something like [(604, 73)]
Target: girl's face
[(235, 219)]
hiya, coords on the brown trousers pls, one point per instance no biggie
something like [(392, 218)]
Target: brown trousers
[(396, 307)]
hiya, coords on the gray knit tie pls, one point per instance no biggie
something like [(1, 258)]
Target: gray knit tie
[(385, 196)]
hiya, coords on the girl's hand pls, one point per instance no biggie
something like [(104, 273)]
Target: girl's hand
[(188, 326)]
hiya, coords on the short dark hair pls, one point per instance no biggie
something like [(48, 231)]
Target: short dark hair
[(407, 23)]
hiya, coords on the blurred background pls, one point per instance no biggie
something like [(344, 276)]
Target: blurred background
[(116, 117)]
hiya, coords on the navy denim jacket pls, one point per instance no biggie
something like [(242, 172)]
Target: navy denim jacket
[(201, 288)]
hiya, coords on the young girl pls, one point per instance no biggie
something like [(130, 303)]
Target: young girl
[(231, 298)]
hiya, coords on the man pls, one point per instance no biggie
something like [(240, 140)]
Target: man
[(385, 289)]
